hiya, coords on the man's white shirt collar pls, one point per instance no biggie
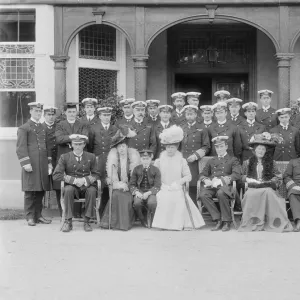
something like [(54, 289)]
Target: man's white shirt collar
[(71, 122), (207, 122), (33, 120), (284, 126), (164, 124), (219, 156), (48, 124), (234, 117), (105, 125), (90, 117), (222, 123), (128, 118), (251, 121), (78, 155), (266, 107)]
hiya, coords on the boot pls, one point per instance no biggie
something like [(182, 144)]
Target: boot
[(218, 226), (67, 227), (42, 220), (31, 222), (226, 226), (87, 226)]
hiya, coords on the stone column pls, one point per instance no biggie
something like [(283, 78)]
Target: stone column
[(140, 75), (60, 79), (284, 79)]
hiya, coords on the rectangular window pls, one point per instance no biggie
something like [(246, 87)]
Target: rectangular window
[(14, 110), (17, 26)]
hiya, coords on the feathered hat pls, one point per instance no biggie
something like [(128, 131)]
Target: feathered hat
[(122, 134), (266, 138), (171, 135)]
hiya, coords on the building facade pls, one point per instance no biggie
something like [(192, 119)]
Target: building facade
[(58, 52)]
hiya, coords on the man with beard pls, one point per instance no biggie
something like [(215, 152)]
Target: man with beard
[(192, 98)]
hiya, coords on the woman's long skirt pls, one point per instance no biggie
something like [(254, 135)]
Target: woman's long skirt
[(263, 209), (122, 213)]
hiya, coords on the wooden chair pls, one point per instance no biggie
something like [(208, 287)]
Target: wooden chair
[(202, 163), (81, 200)]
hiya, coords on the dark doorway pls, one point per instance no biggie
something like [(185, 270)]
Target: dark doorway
[(195, 83)]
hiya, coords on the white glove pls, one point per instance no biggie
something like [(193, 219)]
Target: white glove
[(28, 168)]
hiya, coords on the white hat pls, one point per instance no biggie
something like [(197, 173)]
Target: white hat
[(140, 104), (219, 139), (178, 95), (249, 105), (92, 101), (218, 93), (265, 92), (171, 135), (49, 108), (206, 107), (234, 101), (190, 107), (283, 111), (193, 95), (153, 102), (36, 104), (165, 107), (106, 110), (78, 138), (219, 106), (127, 101)]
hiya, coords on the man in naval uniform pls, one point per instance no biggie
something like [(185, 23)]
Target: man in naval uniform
[(266, 115), (178, 101), (192, 98), (194, 146), (234, 106), (35, 159), (153, 112), (224, 127), (78, 169), (290, 148), (145, 133), (222, 95), (90, 118), (50, 127), (249, 128), (207, 115), (165, 122), (216, 178), (127, 112)]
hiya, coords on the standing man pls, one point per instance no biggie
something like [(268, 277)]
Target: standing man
[(145, 133), (178, 101), (64, 132), (207, 115), (50, 127), (35, 159), (290, 148), (127, 112), (249, 128), (78, 169), (165, 122), (100, 137), (266, 115), (90, 118), (194, 146), (145, 183), (234, 106), (192, 98), (217, 177), (153, 113), (223, 127), (222, 95)]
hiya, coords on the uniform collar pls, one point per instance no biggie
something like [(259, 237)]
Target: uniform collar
[(179, 111), (284, 127), (207, 122), (219, 156), (90, 118), (164, 124), (250, 122), (139, 122), (48, 124), (80, 155), (234, 117), (34, 121), (105, 125), (222, 123), (128, 118), (191, 125), (71, 122), (266, 108), (154, 118)]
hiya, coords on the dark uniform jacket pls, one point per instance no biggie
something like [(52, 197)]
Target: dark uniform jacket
[(177, 118), (158, 130), (219, 167), (154, 179), (123, 120), (153, 121), (32, 149), (89, 123), (194, 139), (63, 130), (68, 168), (238, 121), (269, 118), (234, 142), (51, 142), (290, 148), (291, 176), (296, 121), (145, 137), (247, 132), (207, 126)]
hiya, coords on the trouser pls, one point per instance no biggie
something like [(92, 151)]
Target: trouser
[(193, 194), (58, 195), (207, 196), (295, 206), (71, 191), (33, 204), (140, 205)]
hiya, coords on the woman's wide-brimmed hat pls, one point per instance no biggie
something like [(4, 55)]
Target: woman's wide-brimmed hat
[(266, 138), (122, 135), (171, 135)]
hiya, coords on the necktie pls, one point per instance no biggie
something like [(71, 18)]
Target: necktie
[(221, 125), (265, 110), (78, 158), (250, 124)]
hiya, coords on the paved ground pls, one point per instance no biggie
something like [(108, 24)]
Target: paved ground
[(42, 263)]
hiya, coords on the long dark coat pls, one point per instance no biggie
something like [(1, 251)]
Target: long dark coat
[(269, 118), (291, 176), (123, 120), (85, 122), (240, 121), (194, 139), (291, 143), (178, 119), (32, 149)]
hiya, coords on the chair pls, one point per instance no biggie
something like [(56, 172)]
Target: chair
[(81, 200), (202, 163)]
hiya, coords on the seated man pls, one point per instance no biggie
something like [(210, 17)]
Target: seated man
[(217, 176), (78, 169), (145, 182), (291, 178)]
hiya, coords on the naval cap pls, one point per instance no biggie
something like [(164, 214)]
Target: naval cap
[(105, 110), (206, 107), (78, 138), (219, 106), (165, 107), (139, 104), (50, 109), (127, 101), (36, 104), (87, 101), (178, 95), (283, 111), (219, 139), (265, 92), (250, 106)]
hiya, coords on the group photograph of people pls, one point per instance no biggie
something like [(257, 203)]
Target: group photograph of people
[(164, 167)]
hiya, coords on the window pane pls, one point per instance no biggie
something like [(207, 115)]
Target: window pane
[(98, 42), (97, 83), (14, 109), (27, 26), (9, 26)]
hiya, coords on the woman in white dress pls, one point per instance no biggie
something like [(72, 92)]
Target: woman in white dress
[(172, 211)]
